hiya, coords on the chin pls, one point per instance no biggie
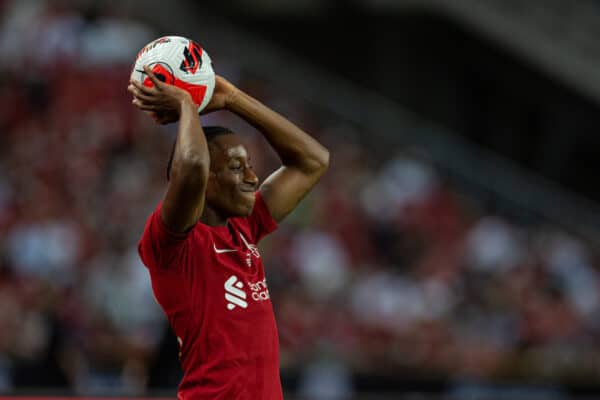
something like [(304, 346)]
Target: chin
[(239, 205), (246, 206)]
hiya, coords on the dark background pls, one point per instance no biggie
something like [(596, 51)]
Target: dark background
[(457, 77)]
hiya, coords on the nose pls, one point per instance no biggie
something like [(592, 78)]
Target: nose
[(250, 177)]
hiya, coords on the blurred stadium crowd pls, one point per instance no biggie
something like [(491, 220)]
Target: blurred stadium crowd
[(386, 270)]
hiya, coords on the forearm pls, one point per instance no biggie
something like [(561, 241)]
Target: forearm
[(191, 149), (184, 201), (294, 146)]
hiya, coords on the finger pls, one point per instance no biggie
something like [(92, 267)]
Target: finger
[(133, 90), (144, 89), (144, 106), (141, 96), (157, 82)]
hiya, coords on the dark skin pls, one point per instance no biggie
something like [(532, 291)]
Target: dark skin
[(231, 180), (216, 183)]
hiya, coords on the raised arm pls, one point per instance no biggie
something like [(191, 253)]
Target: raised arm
[(184, 200), (303, 159)]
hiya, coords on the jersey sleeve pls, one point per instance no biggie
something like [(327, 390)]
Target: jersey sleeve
[(159, 247), (260, 222)]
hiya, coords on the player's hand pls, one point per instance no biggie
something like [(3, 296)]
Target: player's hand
[(163, 101), (223, 93)]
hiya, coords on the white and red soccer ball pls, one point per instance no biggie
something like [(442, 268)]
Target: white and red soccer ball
[(177, 61)]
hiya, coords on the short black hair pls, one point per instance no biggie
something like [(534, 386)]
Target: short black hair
[(210, 132)]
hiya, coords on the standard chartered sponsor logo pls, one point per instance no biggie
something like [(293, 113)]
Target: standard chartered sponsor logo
[(234, 293), (260, 292), (236, 296)]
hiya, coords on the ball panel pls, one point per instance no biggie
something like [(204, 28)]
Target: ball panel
[(198, 92), (192, 58), (162, 71), (152, 45)]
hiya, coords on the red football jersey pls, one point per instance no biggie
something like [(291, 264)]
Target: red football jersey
[(211, 284)]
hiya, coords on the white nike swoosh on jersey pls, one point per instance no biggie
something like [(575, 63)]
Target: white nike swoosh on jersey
[(219, 251)]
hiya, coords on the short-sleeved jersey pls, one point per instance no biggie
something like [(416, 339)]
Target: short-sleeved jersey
[(211, 284)]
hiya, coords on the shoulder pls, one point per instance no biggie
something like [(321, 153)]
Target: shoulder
[(159, 246)]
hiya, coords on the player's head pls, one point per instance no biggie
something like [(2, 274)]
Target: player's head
[(231, 180)]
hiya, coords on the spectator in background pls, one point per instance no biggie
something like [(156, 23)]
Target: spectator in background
[(78, 172)]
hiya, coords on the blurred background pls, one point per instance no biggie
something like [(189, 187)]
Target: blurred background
[(451, 252)]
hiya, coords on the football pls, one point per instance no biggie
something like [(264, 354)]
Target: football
[(177, 61)]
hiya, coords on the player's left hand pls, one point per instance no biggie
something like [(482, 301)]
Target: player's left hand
[(162, 101), (224, 92)]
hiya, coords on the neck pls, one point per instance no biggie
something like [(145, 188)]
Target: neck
[(211, 217)]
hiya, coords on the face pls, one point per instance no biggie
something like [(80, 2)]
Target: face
[(232, 182)]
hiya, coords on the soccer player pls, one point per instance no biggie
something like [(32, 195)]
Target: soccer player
[(200, 244)]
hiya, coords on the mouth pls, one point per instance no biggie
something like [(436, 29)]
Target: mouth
[(248, 189), (248, 194)]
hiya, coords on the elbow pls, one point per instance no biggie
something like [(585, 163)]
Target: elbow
[(319, 162), (324, 160)]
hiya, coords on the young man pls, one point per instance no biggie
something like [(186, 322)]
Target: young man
[(200, 243)]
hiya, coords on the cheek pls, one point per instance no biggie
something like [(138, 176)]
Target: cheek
[(232, 183), (226, 190)]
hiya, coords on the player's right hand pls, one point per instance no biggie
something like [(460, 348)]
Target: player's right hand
[(162, 100)]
